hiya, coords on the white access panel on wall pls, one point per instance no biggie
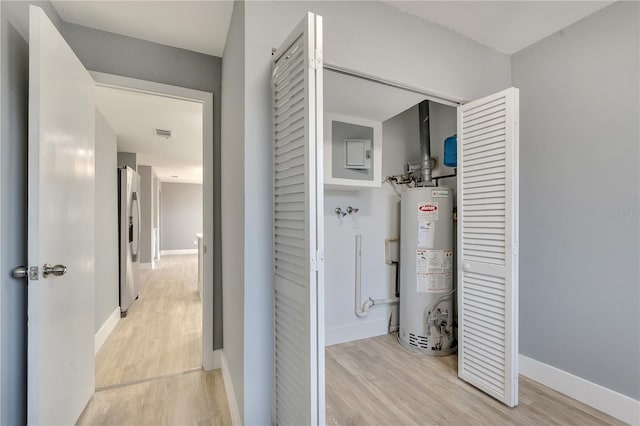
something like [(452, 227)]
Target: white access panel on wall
[(298, 397), (488, 244)]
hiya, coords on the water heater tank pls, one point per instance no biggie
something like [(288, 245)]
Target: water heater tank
[(426, 271)]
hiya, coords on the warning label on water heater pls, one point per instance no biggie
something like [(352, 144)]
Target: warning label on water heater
[(434, 271)]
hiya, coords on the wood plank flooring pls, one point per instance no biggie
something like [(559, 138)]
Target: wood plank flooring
[(162, 333), (196, 398), (376, 382), (148, 372)]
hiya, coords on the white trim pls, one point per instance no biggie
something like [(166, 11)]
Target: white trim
[(3, 126), (146, 266), (214, 360), (236, 420), (360, 330), (106, 329), (182, 251), (206, 99), (331, 182), (606, 400)]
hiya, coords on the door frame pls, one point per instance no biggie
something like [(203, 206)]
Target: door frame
[(211, 358)]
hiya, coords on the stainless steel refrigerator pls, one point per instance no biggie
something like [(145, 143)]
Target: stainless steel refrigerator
[(129, 237)]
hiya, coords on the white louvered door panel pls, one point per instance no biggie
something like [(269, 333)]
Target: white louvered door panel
[(298, 231), (488, 245)]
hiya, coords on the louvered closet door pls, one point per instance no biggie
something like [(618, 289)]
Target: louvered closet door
[(298, 231), (488, 245)]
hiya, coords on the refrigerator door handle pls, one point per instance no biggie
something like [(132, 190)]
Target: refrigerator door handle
[(135, 198)]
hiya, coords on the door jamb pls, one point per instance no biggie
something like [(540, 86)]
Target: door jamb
[(210, 357)]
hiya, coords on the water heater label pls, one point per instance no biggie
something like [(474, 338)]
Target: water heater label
[(434, 283), (439, 193), (434, 270), (426, 233), (428, 210)]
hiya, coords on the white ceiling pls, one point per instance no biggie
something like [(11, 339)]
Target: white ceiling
[(364, 99), (134, 116), (200, 26), (506, 26)]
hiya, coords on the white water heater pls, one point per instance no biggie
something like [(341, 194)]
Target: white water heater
[(426, 271)]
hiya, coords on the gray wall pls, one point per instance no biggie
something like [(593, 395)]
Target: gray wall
[(115, 54), (128, 159), (181, 208), (233, 196), (14, 86), (146, 222), (106, 221), (431, 57), (579, 199), (155, 210)]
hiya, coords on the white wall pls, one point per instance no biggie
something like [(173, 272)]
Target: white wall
[(377, 219), (580, 198), (387, 43), (106, 222)]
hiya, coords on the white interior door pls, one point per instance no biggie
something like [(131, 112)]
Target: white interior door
[(60, 343), (488, 245), (298, 227)]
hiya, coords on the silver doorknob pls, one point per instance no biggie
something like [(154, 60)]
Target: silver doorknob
[(57, 270), (20, 272)]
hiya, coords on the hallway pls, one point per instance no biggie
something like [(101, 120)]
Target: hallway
[(149, 369), (162, 333)]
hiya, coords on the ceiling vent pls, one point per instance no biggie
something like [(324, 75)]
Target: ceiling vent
[(162, 133)]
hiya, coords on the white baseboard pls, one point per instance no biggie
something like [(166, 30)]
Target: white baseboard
[(236, 420), (106, 329), (146, 266), (212, 360), (185, 251), (606, 400), (356, 331)]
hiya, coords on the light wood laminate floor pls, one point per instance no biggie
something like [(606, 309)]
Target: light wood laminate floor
[(195, 398), (162, 332), (148, 372), (376, 382)]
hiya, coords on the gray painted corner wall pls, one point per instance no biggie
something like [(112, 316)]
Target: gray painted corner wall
[(106, 222), (181, 209), (580, 198), (233, 67), (14, 86), (146, 223), (130, 57), (128, 159), (155, 201)]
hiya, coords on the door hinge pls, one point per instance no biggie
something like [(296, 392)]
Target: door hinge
[(315, 60), (317, 260)]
